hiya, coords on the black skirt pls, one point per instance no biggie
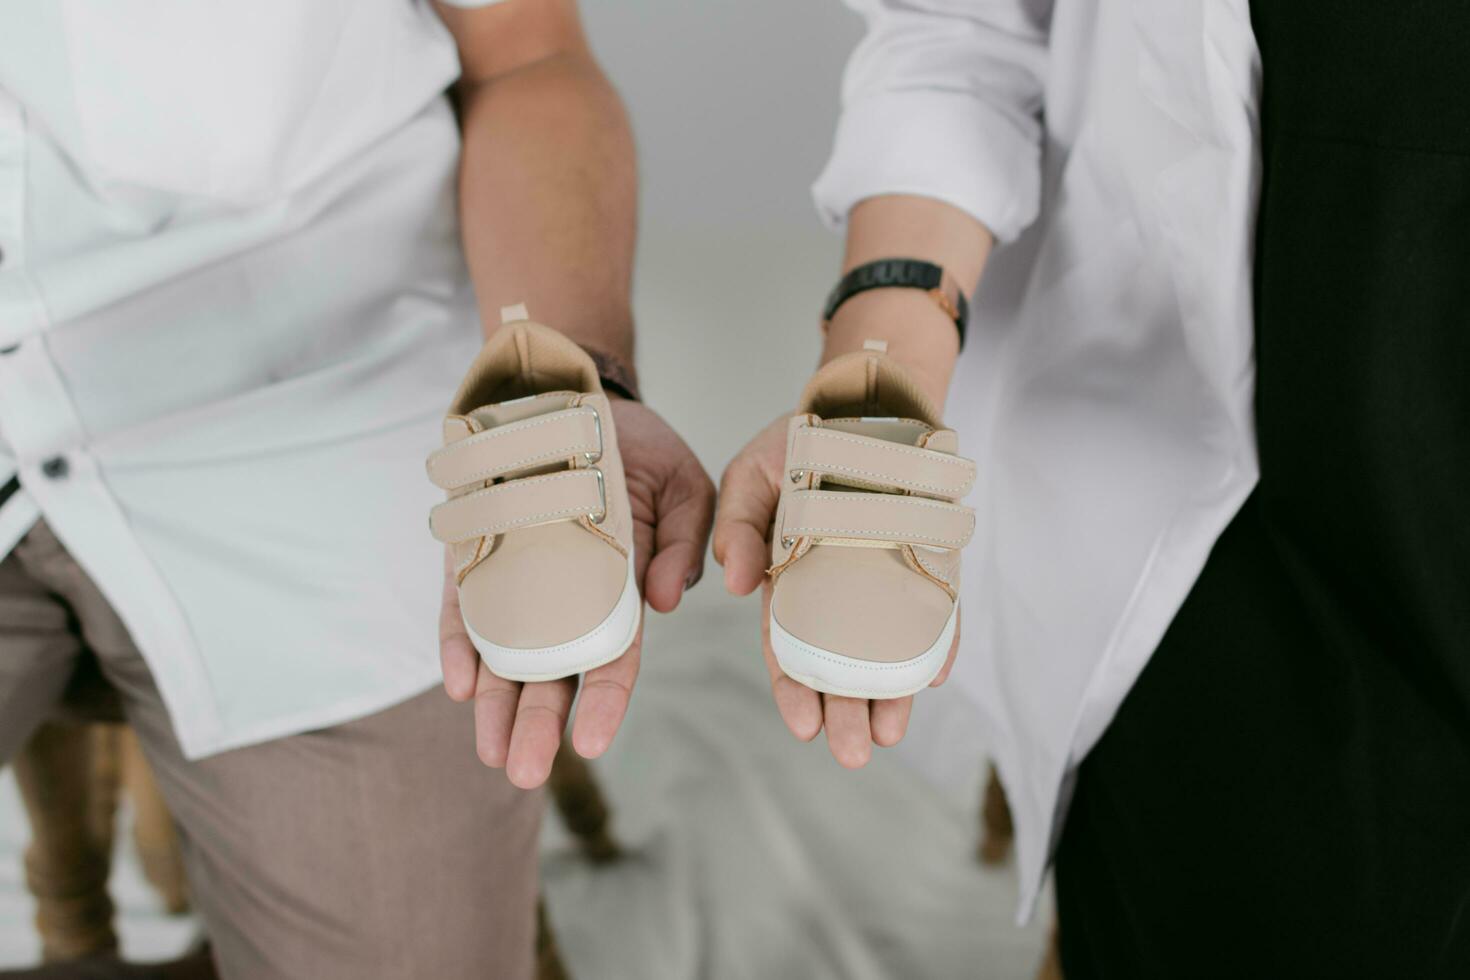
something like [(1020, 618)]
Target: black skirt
[(1286, 790)]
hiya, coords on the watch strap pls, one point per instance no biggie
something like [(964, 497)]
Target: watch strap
[(617, 376), (897, 273)]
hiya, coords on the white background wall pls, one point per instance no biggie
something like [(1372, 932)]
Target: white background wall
[(734, 104)]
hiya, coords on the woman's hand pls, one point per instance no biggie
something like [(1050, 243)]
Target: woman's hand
[(749, 493)]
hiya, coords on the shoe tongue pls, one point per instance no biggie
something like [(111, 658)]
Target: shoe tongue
[(523, 359), (868, 394), (503, 413), (909, 432)]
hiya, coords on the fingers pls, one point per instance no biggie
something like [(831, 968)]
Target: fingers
[(744, 558), (606, 692), (747, 507), (685, 509), (540, 718), (889, 720), (495, 713), (749, 493), (457, 657), (643, 548), (519, 727), (799, 705), (849, 735)]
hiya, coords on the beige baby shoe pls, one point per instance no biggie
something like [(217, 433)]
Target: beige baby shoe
[(537, 515), (866, 543)]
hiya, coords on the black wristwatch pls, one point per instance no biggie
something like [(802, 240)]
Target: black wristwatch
[(903, 274)]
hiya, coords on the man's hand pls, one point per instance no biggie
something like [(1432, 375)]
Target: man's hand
[(548, 199), (749, 493), (519, 726)]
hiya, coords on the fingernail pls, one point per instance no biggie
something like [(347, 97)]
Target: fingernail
[(691, 581)]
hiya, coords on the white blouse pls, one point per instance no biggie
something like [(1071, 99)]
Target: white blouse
[(1106, 390), (232, 306)]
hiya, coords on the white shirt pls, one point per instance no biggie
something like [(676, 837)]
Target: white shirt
[(1106, 389), (232, 307)]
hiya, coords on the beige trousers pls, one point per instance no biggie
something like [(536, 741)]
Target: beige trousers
[(379, 848)]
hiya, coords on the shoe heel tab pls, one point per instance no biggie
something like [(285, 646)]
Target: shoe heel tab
[(523, 357), (867, 382)]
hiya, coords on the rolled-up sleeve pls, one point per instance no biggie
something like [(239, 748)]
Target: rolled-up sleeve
[(942, 99)]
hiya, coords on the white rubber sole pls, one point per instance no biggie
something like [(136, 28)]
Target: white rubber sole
[(604, 643), (834, 673)]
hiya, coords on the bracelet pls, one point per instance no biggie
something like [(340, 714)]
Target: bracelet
[(902, 274), (616, 376)]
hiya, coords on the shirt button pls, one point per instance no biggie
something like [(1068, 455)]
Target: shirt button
[(56, 468)]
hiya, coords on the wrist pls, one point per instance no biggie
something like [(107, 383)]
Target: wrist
[(920, 335)]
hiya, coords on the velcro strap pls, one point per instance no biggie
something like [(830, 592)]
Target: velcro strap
[(520, 504), (531, 442), (880, 462), (877, 517)]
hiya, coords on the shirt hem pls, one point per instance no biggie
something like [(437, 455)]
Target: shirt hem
[(313, 719)]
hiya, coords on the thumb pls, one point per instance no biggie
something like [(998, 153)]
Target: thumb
[(683, 507), (747, 507)]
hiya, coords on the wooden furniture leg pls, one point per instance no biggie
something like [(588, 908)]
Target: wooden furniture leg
[(997, 832), (1051, 967), (154, 834), (583, 808), (548, 960), (67, 866)]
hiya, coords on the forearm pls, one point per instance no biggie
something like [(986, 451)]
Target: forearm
[(919, 334), (548, 199)]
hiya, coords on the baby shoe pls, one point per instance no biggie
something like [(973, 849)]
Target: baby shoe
[(537, 517), (867, 538)]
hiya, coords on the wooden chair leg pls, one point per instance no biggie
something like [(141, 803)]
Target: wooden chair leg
[(1051, 967), (67, 867), (154, 833), (997, 832), (583, 808), (104, 786), (579, 800)]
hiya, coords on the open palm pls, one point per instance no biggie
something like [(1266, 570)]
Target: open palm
[(749, 493), (518, 726)]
